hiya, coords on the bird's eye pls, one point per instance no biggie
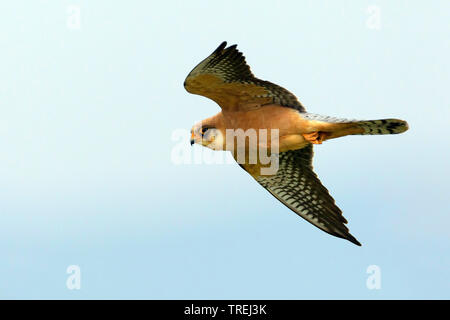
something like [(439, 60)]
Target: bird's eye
[(203, 130)]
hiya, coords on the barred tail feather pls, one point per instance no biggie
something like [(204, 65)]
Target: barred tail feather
[(383, 126)]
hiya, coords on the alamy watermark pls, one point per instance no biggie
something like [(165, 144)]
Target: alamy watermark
[(73, 21), (373, 282), (249, 147), (373, 21), (73, 281)]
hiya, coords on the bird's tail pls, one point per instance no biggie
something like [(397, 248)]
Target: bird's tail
[(383, 126), (339, 126)]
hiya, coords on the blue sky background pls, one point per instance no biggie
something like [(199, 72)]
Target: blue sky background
[(86, 176)]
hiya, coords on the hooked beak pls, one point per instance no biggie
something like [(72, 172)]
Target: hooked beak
[(192, 138)]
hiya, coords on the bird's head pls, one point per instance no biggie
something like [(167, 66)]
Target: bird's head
[(207, 136)]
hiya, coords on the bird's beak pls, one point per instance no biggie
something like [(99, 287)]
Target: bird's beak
[(192, 138)]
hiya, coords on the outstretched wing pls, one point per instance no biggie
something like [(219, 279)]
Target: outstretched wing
[(298, 187), (226, 78)]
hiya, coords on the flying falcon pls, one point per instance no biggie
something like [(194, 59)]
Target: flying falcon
[(249, 103)]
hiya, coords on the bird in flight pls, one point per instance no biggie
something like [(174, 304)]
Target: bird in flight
[(250, 105)]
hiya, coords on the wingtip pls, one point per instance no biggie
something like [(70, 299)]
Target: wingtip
[(221, 46), (347, 236), (224, 49), (353, 240)]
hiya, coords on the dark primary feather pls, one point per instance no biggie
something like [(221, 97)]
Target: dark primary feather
[(298, 187), (227, 63), (230, 66)]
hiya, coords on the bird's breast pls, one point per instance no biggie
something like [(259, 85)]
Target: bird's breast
[(276, 127)]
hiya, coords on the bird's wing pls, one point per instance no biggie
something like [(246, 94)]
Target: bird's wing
[(298, 187), (225, 77)]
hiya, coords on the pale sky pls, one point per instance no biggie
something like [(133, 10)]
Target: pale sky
[(89, 107)]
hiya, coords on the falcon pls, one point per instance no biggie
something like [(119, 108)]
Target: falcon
[(248, 103)]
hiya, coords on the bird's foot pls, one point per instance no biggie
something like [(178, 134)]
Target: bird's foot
[(316, 137)]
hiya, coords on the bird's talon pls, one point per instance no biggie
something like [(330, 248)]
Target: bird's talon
[(316, 137)]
